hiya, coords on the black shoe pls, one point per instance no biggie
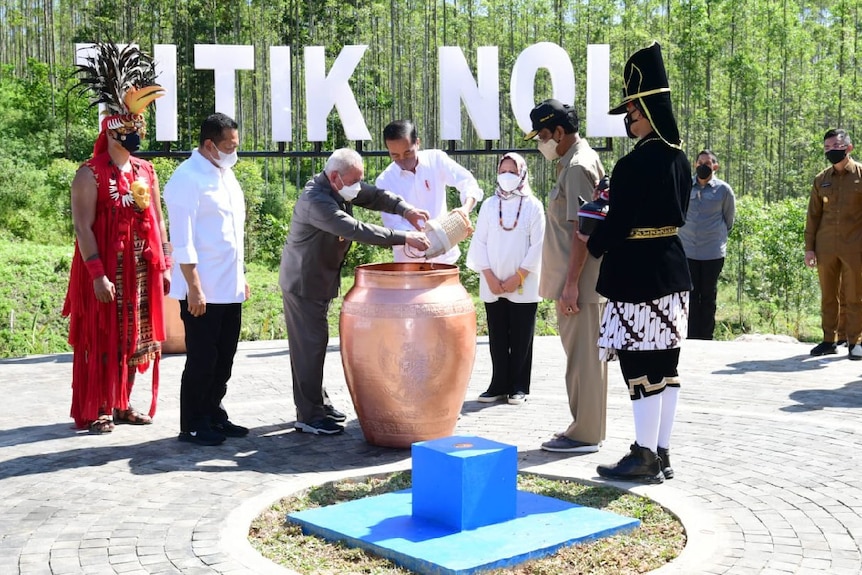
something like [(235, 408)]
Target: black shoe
[(824, 348), (334, 414), (229, 429), (323, 426), (202, 437), (489, 397), (840, 342), (640, 465), (666, 469)]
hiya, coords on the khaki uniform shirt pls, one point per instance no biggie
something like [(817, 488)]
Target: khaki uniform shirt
[(578, 171), (834, 223)]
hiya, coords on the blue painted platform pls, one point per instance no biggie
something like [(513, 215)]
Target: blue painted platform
[(385, 526)]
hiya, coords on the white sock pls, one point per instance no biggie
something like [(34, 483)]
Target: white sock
[(670, 397), (647, 411)]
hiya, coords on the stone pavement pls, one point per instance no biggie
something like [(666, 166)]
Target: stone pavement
[(768, 479)]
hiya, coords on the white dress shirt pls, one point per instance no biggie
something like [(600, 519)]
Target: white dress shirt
[(206, 214), (504, 251), (425, 189)]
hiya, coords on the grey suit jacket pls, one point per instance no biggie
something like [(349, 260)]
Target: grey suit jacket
[(322, 230)]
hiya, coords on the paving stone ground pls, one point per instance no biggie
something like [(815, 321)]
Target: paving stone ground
[(766, 453)]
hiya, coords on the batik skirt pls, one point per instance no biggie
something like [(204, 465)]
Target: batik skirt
[(646, 326)]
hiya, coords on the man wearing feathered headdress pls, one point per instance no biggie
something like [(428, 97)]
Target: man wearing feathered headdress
[(119, 272)]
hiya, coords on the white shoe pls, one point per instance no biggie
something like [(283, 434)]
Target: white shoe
[(517, 398), (855, 352)]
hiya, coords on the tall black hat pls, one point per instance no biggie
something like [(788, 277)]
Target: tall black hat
[(646, 85)]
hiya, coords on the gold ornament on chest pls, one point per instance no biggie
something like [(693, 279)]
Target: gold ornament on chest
[(141, 194)]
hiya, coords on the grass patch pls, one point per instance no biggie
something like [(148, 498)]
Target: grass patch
[(658, 540)]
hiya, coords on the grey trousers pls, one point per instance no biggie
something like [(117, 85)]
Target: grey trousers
[(307, 336)]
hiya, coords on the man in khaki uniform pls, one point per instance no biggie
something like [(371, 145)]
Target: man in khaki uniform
[(569, 277), (833, 242)]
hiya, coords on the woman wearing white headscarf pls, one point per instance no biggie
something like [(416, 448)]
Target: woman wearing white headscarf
[(506, 251)]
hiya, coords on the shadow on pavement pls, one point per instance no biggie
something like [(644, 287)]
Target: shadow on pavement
[(34, 433), (38, 359), (784, 365), (816, 399), (275, 449)]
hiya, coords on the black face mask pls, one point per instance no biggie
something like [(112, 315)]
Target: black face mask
[(131, 142), (627, 120), (704, 172), (835, 156)]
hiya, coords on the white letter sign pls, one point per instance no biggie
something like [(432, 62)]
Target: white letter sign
[(599, 123), (165, 57), (542, 55), (279, 81), (224, 60), (482, 100), (323, 91)]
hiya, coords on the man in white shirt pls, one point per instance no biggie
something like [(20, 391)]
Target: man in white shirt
[(421, 177), (206, 210)]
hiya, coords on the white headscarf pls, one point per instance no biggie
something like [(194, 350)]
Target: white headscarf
[(523, 188)]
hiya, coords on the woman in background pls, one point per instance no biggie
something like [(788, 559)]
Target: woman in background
[(506, 251)]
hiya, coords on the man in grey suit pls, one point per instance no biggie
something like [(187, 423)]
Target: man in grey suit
[(321, 231)]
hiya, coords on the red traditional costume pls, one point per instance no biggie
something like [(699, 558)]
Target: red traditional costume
[(110, 338)]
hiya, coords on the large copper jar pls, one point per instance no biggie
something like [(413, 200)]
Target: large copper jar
[(175, 330), (408, 341)]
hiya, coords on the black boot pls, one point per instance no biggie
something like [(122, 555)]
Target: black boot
[(640, 464), (664, 455)]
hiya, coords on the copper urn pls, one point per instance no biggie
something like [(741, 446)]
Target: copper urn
[(408, 341)]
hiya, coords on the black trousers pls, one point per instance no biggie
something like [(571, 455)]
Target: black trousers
[(510, 339), (658, 366), (704, 279), (211, 341)]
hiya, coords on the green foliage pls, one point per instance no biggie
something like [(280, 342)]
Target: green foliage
[(35, 203), (262, 314), (33, 280), (765, 258)]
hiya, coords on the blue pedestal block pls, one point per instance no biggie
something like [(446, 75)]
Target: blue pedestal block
[(464, 482), (464, 514)]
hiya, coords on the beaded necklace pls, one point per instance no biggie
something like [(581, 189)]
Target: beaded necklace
[(518, 215)]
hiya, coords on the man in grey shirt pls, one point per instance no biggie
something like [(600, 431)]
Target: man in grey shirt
[(321, 231), (711, 211)]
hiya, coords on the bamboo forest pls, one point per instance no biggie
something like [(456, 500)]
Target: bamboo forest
[(758, 82)]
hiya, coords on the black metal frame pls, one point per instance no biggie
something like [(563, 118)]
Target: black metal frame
[(319, 152)]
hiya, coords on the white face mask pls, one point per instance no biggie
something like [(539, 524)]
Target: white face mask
[(549, 149), (225, 161), (508, 183), (349, 192)]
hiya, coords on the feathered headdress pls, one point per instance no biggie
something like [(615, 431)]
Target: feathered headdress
[(124, 81)]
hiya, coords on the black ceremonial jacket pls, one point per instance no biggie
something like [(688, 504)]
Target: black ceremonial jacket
[(650, 189)]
